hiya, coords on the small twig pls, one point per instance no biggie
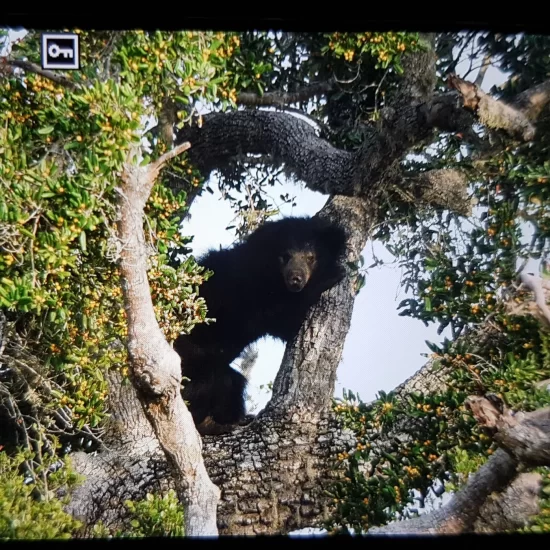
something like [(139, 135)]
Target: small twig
[(378, 90), (455, 61), (285, 98), (157, 165), (349, 81), (35, 227)]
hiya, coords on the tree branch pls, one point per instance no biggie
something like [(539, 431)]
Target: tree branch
[(155, 366), (531, 102), (536, 284), (512, 508), (485, 64), (158, 164), (491, 112), (227, 137), (282, 99), (33, 68), (526, 436), (413, 113)]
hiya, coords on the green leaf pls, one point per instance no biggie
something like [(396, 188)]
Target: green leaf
[(83, 241), (45, 130)]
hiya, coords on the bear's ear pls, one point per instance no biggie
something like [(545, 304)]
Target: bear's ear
[(332, 238)]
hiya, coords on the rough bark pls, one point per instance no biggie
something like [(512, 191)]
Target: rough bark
[(532, 102), (130, 463), (272, 472), (226, 137), (512, 508)]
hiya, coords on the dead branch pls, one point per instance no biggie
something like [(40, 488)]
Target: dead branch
[(485, 64), (493, 113), (536, 307), (536, 285), (526, 436)]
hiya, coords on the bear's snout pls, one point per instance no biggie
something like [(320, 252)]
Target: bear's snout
[(296, 280)]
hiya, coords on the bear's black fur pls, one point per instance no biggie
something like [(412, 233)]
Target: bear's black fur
[(262, 286)]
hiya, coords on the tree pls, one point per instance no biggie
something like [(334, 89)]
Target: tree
[(77, 181)]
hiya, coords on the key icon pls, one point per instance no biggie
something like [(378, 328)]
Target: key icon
[(60, 51), (55, 51)]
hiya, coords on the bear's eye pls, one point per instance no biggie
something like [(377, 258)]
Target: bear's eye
[(310, 258), (284, 258)]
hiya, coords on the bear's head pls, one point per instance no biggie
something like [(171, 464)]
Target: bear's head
[(311, 251), (301, 252), (297, 266)]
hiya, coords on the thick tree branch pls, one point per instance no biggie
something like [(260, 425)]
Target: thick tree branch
[(155, 366), (526, 436), (485, 64), (414, 112), (512, 508), (130, 464), (306, 378), (226, 137), (538, 285)]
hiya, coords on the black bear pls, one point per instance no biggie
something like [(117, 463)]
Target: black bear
[(262, 286)]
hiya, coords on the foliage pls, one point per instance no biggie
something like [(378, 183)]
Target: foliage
[(439, 442), (541, 522), (364, 67), (63, 149), (29, 508), (153, 516)]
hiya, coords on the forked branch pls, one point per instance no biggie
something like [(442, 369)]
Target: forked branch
[(154, 365)]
